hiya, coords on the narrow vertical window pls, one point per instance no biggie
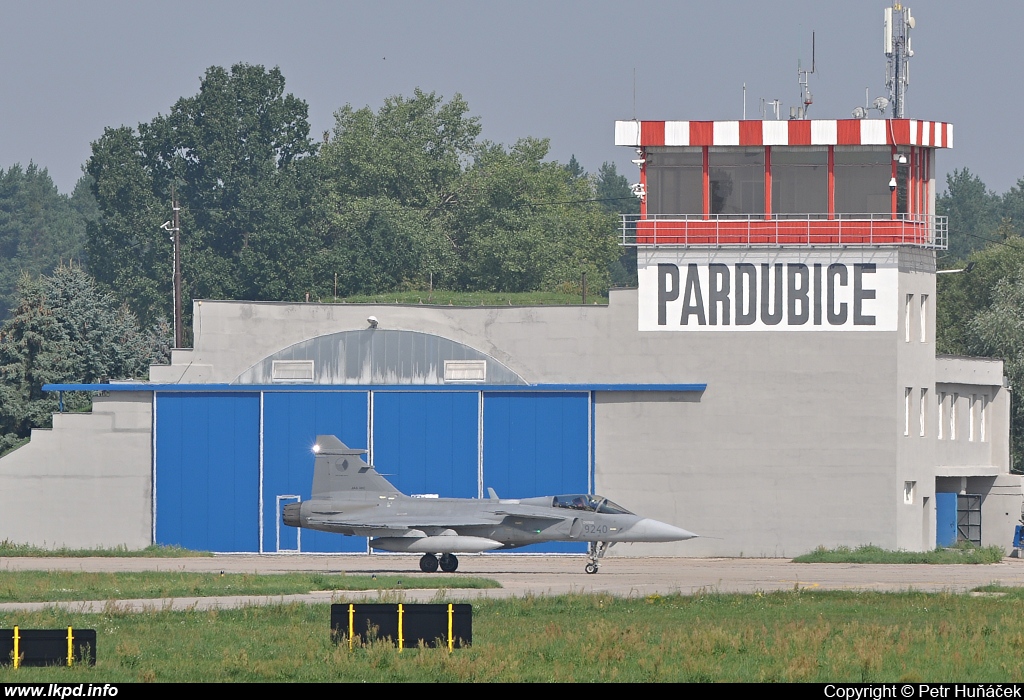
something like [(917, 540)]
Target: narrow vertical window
[(906, 316), (972, 409), (952, 416), (924, 402), (924, 318), (906, 410), (942, 412), (984, 410), (908, 492)]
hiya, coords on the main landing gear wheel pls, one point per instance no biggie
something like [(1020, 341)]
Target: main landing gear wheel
[(428, 563), (449, 563)]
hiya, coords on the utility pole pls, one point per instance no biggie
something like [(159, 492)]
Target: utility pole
[(173, 227), (177, 270)]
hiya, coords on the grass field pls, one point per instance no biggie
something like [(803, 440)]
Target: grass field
[(9, 549), (869, 554), (33, 586), (443, 298), (791, 636)]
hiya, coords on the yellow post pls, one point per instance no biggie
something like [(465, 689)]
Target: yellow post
[(451, 639), (17, 647), (71, 653), (351, 625), (401, 641)]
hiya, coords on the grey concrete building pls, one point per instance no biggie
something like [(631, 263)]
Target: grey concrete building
[(772, 383)]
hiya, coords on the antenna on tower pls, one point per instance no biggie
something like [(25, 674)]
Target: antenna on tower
[(897, 24), (806, 99)]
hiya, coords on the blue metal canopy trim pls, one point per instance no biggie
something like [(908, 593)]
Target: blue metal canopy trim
[(375, 387)]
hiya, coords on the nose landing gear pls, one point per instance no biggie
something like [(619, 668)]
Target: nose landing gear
[(597, 551)]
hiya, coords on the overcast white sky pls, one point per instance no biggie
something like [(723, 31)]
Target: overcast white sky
[(556, 69)]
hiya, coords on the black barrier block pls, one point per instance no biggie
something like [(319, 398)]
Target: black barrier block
[(422, 623), (429, 622), (48, 647)]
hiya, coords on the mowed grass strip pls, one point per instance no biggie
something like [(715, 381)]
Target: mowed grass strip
[(803, 636), (444, 298), (870, 554), (43, 586), (10, 549)]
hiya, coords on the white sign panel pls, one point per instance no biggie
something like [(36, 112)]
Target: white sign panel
[(779, 296)]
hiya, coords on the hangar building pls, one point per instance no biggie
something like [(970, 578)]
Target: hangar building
[(772, 383)]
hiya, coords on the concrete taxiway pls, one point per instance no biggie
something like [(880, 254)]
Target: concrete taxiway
[(522, 575)]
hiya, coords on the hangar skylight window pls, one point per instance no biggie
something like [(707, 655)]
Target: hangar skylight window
[(292, 371), (465, 370)]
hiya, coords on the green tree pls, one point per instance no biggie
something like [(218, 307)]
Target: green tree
[(411, 198), (530, 224), (616, 197), (963, 296), (975, 315), (65, 329), (391, 180), (239, 155), (973, 211), (999, 332), (39, 227), (573, 167), (1012, 207)]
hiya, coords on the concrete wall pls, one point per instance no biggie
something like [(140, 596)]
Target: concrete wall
[(912, 493), (801, 439), (85, 483), (793, 445), (973, 457)]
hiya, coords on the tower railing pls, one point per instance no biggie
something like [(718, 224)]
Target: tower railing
[(786, 230)]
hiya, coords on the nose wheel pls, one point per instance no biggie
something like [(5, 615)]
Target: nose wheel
[(597, 551)]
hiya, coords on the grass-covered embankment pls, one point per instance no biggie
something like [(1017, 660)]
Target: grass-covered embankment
[(869, 554), (445, 298), (10, 549), (816, 636), (35, 586)]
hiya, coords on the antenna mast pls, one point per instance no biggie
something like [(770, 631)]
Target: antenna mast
[(805, 92), (896, 43)]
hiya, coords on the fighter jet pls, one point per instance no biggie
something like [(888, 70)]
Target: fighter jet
[(349, 497)]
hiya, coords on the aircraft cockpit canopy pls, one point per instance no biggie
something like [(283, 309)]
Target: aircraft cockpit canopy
[(589, 503)]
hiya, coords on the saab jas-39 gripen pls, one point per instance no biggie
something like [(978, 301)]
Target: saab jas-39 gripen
[(349, 497)]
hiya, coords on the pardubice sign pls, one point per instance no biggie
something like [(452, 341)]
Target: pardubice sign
[(777, 296)]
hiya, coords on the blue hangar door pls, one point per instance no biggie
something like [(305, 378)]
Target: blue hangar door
[(537, 444), (291, 422), (216, 490), (425, 443), (207, 471)]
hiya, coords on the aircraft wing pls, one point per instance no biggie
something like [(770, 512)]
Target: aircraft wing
[(406, 522), (387, 521), (530, 515)]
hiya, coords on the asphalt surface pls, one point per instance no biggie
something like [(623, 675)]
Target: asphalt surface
[(523, 575)]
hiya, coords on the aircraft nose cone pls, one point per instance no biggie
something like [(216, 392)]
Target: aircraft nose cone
[(647, 530)]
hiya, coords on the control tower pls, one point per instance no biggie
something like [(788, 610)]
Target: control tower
[(794, 262)]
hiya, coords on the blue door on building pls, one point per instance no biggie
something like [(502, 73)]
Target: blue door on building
[(426, 443), (207, 471), (291, 422), (537, 444), (945, 519), (228, 462)]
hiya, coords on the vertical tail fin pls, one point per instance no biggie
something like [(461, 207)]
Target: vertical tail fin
[(338, 468)]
